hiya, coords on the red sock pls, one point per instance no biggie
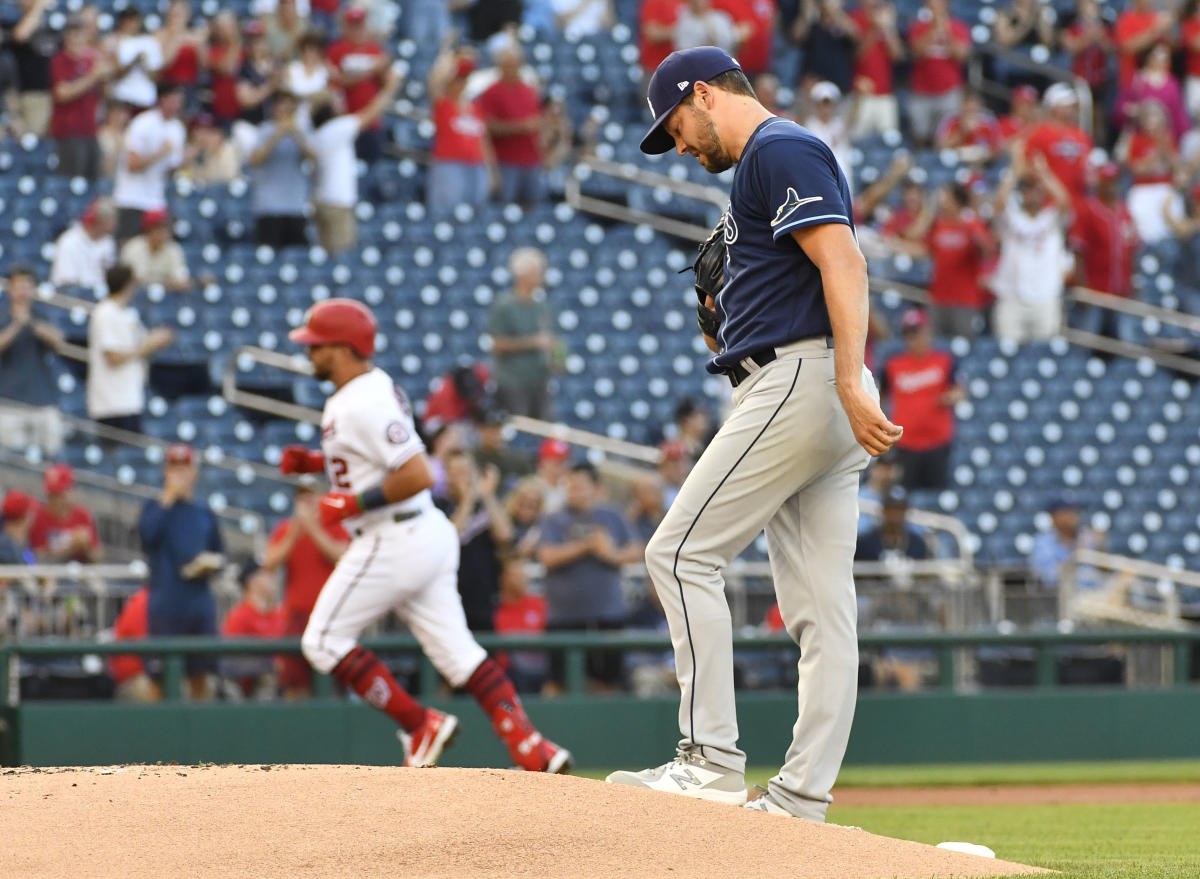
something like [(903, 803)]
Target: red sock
[(495, 694), (361, 671)]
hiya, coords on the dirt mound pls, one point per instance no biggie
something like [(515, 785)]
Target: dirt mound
[(335, 821)]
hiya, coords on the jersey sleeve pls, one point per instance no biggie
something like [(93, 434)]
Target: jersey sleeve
[(799, 184), (386, 434)]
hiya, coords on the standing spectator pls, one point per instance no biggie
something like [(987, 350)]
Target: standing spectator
[(484, 531), (462, 166), (1105, 238), (893, 537), (1060, 141), (1189, 33), (754, 21), (153, 148), (940, 47), (494, 451), (1034, 260), (1052, 548), (32, 44), (110, 136), (63, 531), (127, 669), (358, 64), (523, 339), (577, 19), (257, 81), (10, 99), (118, 348), (699, 24), (139, 59), (183, 548), (552, 474), (646, 506), (181, 48), (84, 252), (285, 27), (1154, 82), (960, 245), (583, 548), (279, 191), (922, 388), (520, 613), (973, 131), (32, 419), (1021, 26), (524, 508), (512, 110), (214, 159), (1152, 157), (307, 75), (1022, 115), (827, 35), (1089, 40), (335, 188), (307, 550), (879, 47), (656, 31), (155, 257), (257, 615), (77, 75), (223, 61), (17, 511), (828, 122), (1138, 28)]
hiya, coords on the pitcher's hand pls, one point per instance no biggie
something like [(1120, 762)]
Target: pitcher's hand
[(871, 427)]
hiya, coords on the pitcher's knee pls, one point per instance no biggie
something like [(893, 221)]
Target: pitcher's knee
[(321, 651), (660, 557)]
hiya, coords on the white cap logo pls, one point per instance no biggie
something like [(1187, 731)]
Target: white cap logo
[(683, 85)]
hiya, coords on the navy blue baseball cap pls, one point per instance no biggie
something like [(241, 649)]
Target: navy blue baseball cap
[(673, 81)]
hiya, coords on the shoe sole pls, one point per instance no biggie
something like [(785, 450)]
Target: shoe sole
[(445, 738), (561, 763), (728, 798)]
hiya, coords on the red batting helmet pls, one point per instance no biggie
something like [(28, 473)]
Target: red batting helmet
[(338, 322)]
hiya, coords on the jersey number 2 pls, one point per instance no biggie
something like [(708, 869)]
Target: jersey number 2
[(339, 468)]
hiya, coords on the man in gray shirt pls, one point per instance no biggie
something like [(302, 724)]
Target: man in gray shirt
[(280, 192), (522, 339)]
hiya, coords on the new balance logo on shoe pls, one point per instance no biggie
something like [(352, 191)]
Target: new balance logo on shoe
[(685, 778)]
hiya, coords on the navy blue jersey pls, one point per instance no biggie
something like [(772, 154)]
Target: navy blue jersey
[(787, 178)]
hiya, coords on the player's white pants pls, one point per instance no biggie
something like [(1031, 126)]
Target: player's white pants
[(410, 567)]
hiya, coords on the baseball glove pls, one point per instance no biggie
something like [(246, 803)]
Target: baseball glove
[(710, 278)]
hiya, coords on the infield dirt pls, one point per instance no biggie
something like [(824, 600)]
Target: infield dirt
[(360, 821)]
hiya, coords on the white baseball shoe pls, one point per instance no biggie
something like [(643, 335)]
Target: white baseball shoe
[(689, 775), (764, 803)]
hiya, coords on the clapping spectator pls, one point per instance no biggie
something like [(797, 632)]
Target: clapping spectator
[(921, 388), (33, 44), (512, 110), (306, 550), (63, 531), (1060, 141), (524, 508), (335, 189), (155, 257), (1032, 210), (523, 339), (307, 75), (879, 47), (828, 121), (223, 61), (462, 165), (484, 531), (827, 35), (118, 348), (1154, 81), (552, 466), (1022, 25), (699, 24), (17, 511), (77, 75), (1105, 240), (940, 47), (583, 548), (279, 191), (213, 158), (1089, 40), (153, 149), (139, 59), (84, 252), (1138, 28), (257, 615), (1152, 157), (493, 451), (656, 31), (29, 415), (183, 547), (110, 136), (182, 47), (358, 64), (754, 23), (286, 27), (10, 101), (257, 81)]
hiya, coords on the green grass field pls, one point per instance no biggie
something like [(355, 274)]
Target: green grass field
[(1095, 841)]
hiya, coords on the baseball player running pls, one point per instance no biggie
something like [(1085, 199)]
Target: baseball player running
[(788, 326), (403, 555)]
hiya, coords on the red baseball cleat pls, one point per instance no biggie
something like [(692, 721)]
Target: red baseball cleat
[(424, 745)]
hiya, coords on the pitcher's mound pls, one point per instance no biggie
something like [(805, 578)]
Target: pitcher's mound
[(337, 821)]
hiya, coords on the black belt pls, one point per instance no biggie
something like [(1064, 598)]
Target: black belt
[(738, 373), (398, 516)]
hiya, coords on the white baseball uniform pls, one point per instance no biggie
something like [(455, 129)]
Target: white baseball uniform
[(403, 557)]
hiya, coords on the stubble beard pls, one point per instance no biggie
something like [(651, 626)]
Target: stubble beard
[(715, 159)]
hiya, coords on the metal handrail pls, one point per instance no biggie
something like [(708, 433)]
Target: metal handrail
[(1083, 91)]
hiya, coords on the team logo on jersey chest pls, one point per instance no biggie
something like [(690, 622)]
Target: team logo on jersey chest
[(730, 224)]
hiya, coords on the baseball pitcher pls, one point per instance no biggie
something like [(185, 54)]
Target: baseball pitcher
[(786, 318), (404, 552)]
